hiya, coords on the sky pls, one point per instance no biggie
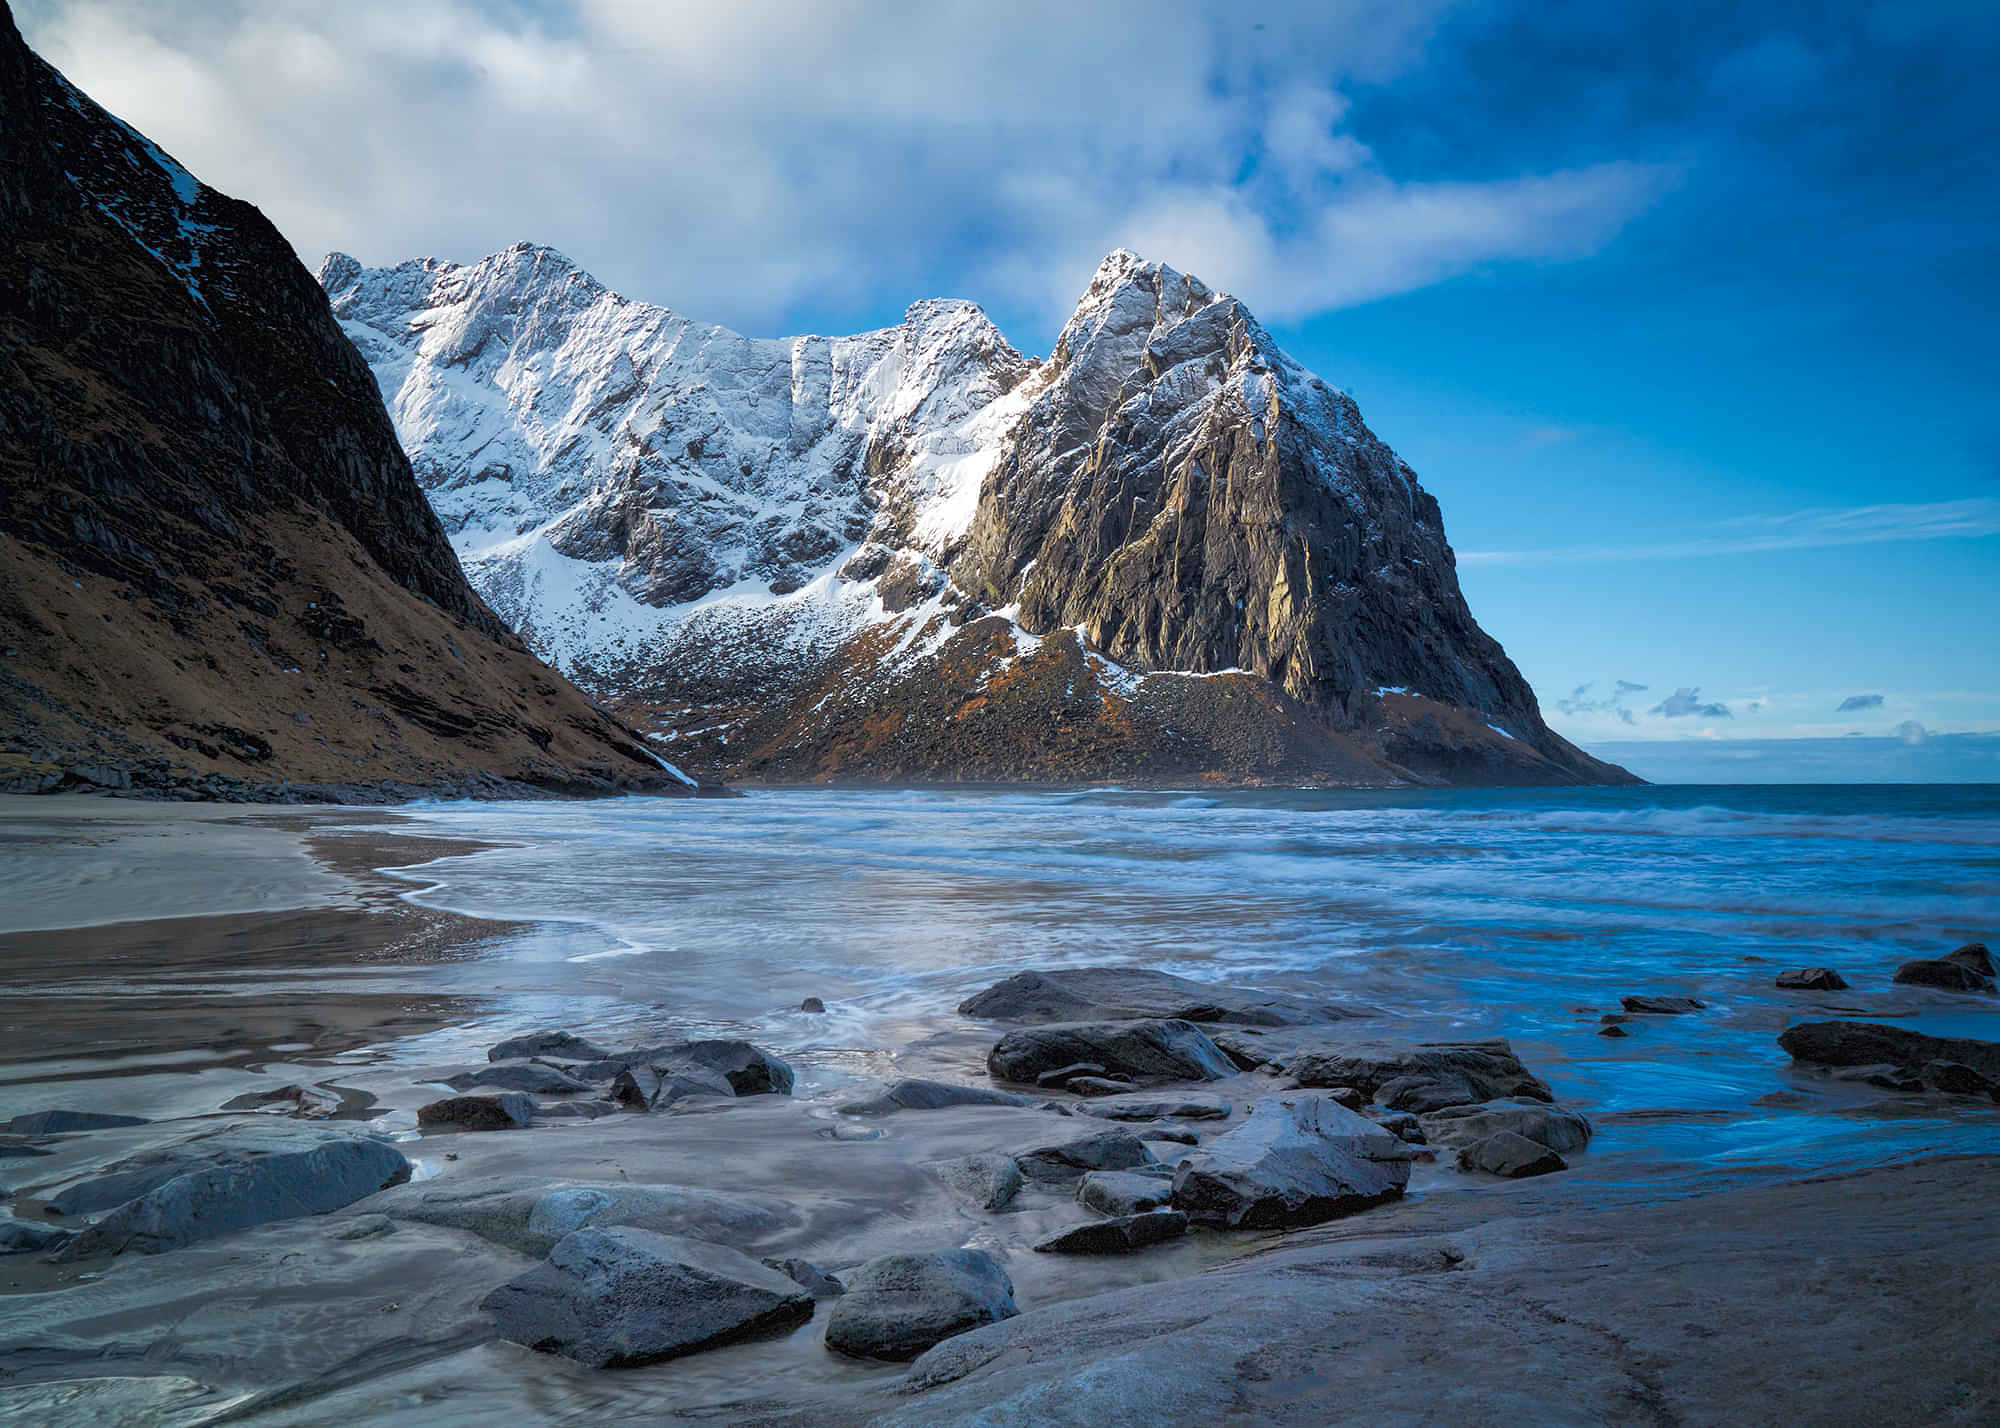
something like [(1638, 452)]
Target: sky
[(1684, 312)]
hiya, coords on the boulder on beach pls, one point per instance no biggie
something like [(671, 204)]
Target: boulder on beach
[(749, 1070), (1144, 1050), (1662, 1006), (562, 1045), (901, 1304), (1106, 1148), (1135, 994), (647, 1088), (1299, 1159), (989, 1181), (618, 1297), (529, 1215), (1185, 1105), (1873, 1045), (1943, 975), (1549, 1126), (529, 1076), (1125, 1192), (916, 1095), (64, 1122), (507, 1110), (1425, 1077), (1974, 956), (1957, 1079), (1812, 979), (239, 1177), (812, 1004), (1119, 1235), (1510, 1156)]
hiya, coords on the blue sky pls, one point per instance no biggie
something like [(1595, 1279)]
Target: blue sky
[(1684, 312)]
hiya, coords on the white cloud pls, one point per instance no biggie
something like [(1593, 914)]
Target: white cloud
[(742, 162)]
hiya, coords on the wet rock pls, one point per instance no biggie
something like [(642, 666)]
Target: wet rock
[(809, 1277), (529, 1215), (233, 1179), (1135, 994), (1166, 1135), (989, 1181), (1144, 1050), (1060, 1078), (1108, 1149), (563, 1045), (508, 1110), (646, 1088), (311, 1102), (900, 1305), (1096, 1086), (812, 1004), (1299, 1159), (1550, 1126), (16, 1150), (1943, 975), (914, 1095), (1124, 1192), (364, 1227), (1974, 957), (619, 1297), (64, 1122), (1812, 979), (1662, 1006), (1119, 1235), (1873, 1044), (1612, 1030), (1957, 1079), (576, 1110), (1190, 1105), (1614, 1018), (1889, 1078), (529, 1076), (30, 1236), (749, 1070), (1403, 1125), (1425, 1077), (1510, 1156)]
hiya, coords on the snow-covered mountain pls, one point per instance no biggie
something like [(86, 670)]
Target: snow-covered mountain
[(1167, 552)]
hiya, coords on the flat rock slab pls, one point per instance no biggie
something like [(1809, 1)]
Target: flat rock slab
[(64, 1122), (1135, 994), (1943, 975), (915, 1095), (234, 1179), (1552, 1127), (1124, 1192), (1299, 1159), (1144, 1050), (1662, 1006), (530, 1215), (619, 1297), (1429, 1076), (1189, 1105), (1874, 1044), (1119, 1235), (1811, 979), (563, 1045), (902, 1304), (1510, 1156), (529, 1076), (508, 1110), (1111, 1148), (989, 1181)]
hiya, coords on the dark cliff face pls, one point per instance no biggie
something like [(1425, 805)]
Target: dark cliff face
[(218, 570)]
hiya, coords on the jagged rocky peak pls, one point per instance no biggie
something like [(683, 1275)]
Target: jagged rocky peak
[(783, 537)]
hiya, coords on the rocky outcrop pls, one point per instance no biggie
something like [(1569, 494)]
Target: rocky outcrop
[(1120, 1234), (899, 1305), (1945, 975), (1426, 1077), (1863, 1043), (1299, 1159), (218, 577), (1166, 553)]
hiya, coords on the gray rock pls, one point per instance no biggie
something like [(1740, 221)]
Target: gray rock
[(1060, 1078), (1143, 1050), (1119, 1235), (1189, 1105), (913, 1095), (1873, 1044), (63, 1122), (1134, 994), (618, 1297), (1662, 1006), (1889, 1078), (508, 1110), (1812, 979), (989, 1181), (1550, 1126), (1297, 1160), (576, 1110), (310, 1102), (562, 1045), (1170, 1135), (233, 1179), (1403, 1125), (18, 1150), (809, 1277), (1425, 1077), (29, 1236), (1613, 1030), (812, 1004), (529, 1076), (529, 1214), (1514, 1157), (364, 1227), (900, 1305), (1096, 1086), (1975, 956), (1124, 1192), (1943, 975), (1108, 1149), (645, 1087), (1958, 1079)]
